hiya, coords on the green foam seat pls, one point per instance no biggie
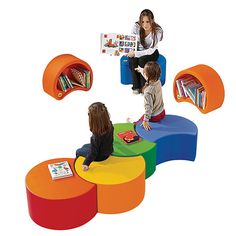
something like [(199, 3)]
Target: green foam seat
[(144, 148)]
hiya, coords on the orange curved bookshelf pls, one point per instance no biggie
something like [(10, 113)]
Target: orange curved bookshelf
[(62, 65), (210, 80)]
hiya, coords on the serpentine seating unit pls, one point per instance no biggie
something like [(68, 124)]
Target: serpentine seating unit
[(112, 186)]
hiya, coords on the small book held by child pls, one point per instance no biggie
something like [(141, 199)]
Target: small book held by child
[(129, 137), (60, 170)]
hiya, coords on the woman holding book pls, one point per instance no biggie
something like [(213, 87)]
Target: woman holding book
[(101, 141), (149, 33)]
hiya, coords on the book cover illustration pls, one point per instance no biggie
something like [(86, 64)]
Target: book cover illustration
[(79, 76), (60, 170), (114, 44), (129, 137)]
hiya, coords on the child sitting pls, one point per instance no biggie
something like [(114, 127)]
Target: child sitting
[(153, 101), (101, 142)]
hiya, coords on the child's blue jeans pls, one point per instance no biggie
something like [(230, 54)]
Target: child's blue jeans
[(84, 150)]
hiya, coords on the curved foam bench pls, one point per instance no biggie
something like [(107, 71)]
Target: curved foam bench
[(211, 82), (59, 204), (120, 182), (126, 75), (112, 186), (175, 138), (144, 148)]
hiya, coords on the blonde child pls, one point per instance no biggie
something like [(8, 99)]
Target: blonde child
[(101, 141), (153, 101)]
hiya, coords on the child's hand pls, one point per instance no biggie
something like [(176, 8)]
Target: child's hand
[(85, 167), (146, 125), (139, 69)]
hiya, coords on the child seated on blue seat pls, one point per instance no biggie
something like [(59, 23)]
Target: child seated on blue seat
[(153, 100)]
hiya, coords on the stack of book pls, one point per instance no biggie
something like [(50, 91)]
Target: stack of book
[(188, 86), (75, 77)]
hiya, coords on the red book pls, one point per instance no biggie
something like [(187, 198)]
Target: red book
[(129, 137)]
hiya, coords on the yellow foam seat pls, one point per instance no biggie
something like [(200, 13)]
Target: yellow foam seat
[(120, 182)]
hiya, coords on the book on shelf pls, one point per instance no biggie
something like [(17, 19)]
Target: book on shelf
[(62, 84), (76, 77), (116, 44), (179, 86), (203, 99), (67, 80), (76, 84), (191, 90), (87, 78), (188, 86), (129, 137), (186, 81), (200, 94), (60, 170), (79, 76)]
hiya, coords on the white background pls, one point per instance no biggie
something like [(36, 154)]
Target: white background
[(182, 198)]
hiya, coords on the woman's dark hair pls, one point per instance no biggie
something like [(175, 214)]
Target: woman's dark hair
[(152, 70), (154, 26), (99, 119)]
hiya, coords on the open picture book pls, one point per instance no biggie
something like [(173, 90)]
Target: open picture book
[(114, 44)]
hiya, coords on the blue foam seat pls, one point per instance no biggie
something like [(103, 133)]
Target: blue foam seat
[(126, 75), (175, 138)]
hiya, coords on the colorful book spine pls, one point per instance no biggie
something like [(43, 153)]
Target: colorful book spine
[(67, 80), (62, 83), (87, 78)]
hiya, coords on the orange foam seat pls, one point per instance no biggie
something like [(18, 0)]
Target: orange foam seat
[(59, 204), (120, 182)]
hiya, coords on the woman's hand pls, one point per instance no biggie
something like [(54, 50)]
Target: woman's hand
[(85, 167), (116, 53), (146, 125), (130, 54)]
